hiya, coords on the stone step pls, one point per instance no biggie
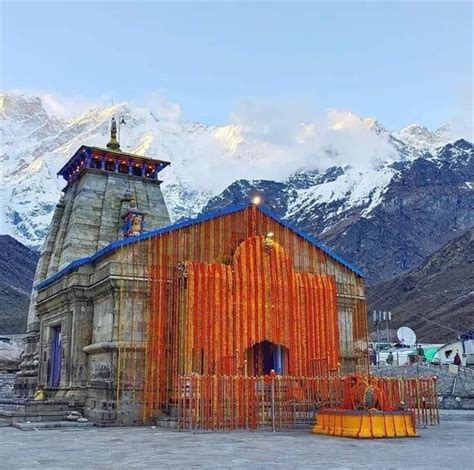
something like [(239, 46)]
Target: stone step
[(5, 422), (23, 405), (30, 426), (167, 422), (16, 411), (22, 416), (456, 415)]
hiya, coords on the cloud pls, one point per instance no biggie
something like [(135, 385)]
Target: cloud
[(261, 140), (65, 107), (273, 122), (461, 121), (162, 108), (275, 140), (287, 137)]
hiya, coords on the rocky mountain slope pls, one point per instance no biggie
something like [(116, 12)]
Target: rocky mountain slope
[(441, 290), (411, 209), (369, 205), (17, 268), (426, 204)]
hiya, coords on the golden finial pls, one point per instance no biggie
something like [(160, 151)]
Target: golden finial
[(113, 142)]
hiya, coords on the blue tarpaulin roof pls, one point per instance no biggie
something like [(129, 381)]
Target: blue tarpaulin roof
[(186, 223)]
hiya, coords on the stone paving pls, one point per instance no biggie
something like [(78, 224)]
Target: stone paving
[(448, 446)]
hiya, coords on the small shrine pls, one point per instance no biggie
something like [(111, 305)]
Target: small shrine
[(133, 219)]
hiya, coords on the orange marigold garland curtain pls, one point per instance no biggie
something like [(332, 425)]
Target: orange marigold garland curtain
[(216, 289), (262, 299)]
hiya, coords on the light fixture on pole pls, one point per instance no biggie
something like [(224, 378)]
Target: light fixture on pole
[(121, 121)]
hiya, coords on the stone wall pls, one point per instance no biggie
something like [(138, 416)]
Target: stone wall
[(7, 383), (455, 391), (95, 203), (11, 349)]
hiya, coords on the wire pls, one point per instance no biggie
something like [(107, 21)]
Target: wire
[(415, 314)]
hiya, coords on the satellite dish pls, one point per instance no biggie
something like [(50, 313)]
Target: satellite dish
[(406, 336)]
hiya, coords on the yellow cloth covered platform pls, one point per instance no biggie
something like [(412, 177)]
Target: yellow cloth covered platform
[(365, 424)]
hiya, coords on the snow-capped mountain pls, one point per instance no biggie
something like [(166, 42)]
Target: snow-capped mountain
[(386, 220), (424, 140), (329, 170)]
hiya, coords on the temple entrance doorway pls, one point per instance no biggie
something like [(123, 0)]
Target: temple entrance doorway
[(55, 368), (264, 357)]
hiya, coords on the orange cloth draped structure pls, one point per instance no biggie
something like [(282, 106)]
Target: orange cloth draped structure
[(260, 298), (216, 293), (203, 311)]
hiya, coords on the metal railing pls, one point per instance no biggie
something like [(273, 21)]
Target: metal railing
[(216, 402)]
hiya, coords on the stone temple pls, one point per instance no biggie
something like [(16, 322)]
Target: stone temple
[(126, 304)]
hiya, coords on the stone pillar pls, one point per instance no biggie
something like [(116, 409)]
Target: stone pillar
[(81, 334)]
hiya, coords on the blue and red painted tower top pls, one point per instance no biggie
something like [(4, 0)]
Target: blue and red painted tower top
[(111, 159)]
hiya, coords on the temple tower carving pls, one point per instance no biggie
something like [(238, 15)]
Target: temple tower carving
[(110, 194)]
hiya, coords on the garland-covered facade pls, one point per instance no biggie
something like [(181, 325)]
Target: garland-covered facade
[(243, 294), (120, 315)]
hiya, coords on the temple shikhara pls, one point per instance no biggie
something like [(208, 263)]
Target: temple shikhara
[(136, 320)]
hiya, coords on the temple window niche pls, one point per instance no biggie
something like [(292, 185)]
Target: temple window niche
[(123, 167), (110, 164), (150, 172), (132, 167), (96, 162), (137, 169)]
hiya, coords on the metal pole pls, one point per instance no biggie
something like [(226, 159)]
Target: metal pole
[(378, 326), (272, 373), (179, 403), (379, 317), (190, 403)]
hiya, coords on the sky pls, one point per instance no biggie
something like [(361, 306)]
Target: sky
[(399, 62)]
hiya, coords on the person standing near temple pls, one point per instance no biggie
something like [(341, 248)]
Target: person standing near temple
[(457, 359), (389, 359), (373, 356)]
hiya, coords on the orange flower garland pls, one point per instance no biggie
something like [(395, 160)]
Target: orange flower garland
[(216, 290)]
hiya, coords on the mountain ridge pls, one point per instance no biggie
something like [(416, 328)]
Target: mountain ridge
[(362, 191), (435, 299), (359, 188), (381, 233), (17, 269), (37, 145)]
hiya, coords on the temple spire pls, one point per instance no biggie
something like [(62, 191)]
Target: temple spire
[(113, 142)]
